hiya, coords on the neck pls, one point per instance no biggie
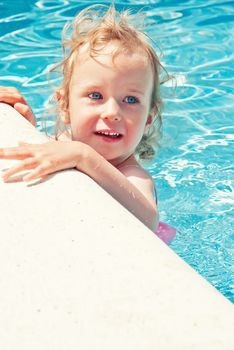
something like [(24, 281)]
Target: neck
[(118, 163)]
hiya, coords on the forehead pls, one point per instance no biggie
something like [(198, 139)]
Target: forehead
[(114, 61), (113, 49)]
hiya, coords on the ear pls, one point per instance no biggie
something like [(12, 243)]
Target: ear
[(58, 95), (149, 120), (152, 113), (64, 112), (148, 123)]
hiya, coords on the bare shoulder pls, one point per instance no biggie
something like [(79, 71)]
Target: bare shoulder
[(132, 168), (135, 170), (137, 175)]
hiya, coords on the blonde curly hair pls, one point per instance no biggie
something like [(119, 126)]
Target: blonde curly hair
[(95, 27)]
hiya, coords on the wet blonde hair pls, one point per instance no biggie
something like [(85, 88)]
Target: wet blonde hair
[(95, 27)]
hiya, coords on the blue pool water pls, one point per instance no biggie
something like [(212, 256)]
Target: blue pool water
[(193, 170)]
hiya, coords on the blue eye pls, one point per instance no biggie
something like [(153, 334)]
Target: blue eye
[(131, 99), (95, 96)]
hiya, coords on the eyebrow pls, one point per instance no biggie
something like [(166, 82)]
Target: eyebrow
[(133, 90), (89, 85), (95, 85)]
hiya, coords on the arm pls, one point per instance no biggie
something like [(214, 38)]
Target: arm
[(44, 159), (132, 188)]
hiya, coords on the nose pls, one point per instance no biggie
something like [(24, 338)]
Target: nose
[(111, 111)]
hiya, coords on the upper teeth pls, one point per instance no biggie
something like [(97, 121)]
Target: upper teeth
[(108, 133)]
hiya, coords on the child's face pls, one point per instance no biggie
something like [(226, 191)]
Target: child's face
[(109, 103)]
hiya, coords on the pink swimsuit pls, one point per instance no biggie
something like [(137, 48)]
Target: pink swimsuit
[(164, 231)]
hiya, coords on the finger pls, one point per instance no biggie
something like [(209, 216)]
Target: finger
[(27, 164), (39, 171), (26, 112), (11, 97), (15, 153), (8, 88)]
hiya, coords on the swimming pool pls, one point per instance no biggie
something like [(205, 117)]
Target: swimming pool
[(193, 170)]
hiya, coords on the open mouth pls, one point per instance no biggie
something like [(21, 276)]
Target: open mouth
[(109, 134)]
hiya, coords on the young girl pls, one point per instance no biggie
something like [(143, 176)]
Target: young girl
[(109, 98)]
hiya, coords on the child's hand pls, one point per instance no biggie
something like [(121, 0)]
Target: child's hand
[(13, 97), (41, 159)]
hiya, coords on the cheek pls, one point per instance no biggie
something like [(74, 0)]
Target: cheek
[(135, 132), (82, 123), (137, 120)]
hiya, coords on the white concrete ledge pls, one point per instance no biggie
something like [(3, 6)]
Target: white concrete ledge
[(78, 271)]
